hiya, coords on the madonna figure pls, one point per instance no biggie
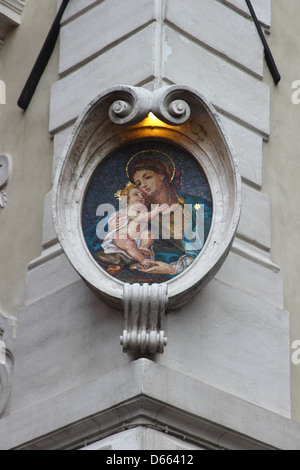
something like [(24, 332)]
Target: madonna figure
[(183, 231)]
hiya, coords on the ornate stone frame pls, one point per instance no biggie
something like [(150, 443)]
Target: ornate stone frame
[(119, 116)]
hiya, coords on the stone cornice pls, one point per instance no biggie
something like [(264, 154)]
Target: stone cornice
[(10, 15), (144, 411), (203, 415)]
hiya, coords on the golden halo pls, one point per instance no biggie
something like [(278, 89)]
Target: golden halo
[(118, 193), (147, 151)]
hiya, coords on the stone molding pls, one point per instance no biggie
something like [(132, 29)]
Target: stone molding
[(6, 363), (117, 117), (10, 15), (145, 411)]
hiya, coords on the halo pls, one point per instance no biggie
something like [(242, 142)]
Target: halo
[(147, 151), (117, 195)]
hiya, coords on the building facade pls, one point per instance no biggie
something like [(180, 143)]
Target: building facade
[(228, 377)]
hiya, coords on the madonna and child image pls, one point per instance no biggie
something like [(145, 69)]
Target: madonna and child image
[(147, 212)]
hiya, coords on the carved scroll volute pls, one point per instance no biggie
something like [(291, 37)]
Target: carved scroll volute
[(134, 104), (171, 106), (144, 318)]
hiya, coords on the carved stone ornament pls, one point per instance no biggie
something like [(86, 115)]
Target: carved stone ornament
[(124, 137), (5, 166), (10, 15), (144, 317)]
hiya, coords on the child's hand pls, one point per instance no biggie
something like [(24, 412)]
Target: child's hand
[(166, 209), (171, 208), (145, 251)]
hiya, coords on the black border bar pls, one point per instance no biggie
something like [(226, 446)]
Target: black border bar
[(42, 60)]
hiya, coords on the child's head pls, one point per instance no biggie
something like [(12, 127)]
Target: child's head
[(135, 196), (132, 194)]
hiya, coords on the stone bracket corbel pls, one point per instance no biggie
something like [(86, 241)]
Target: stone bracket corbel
[(10, 16), (144, 318)]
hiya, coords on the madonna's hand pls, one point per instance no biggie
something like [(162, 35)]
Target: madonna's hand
[(158, 267)]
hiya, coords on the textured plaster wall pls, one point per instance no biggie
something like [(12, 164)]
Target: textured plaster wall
[(282, 168), (25, 137)]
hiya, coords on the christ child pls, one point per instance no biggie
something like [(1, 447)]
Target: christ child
[(129, 225)]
